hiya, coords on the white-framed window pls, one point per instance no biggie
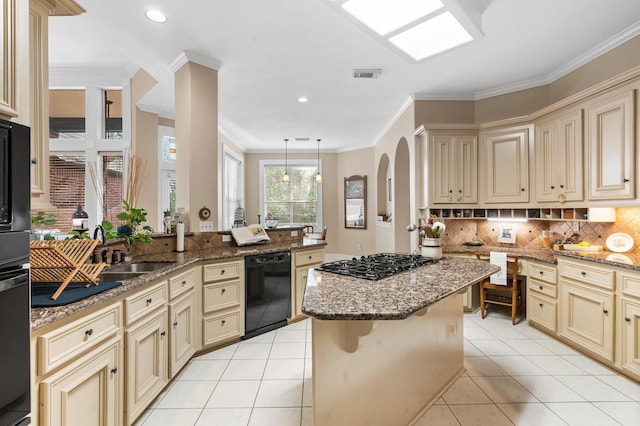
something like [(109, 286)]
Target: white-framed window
[(167, 160), (232, 186), (298, 202)]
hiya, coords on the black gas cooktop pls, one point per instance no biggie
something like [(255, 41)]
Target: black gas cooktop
[(376, 266)]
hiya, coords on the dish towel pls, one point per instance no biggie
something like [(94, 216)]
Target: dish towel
[(499, 259)]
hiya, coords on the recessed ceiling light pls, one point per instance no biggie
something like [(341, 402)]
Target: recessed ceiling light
[(385, 16), (436, 35), (156, 16), (303, 99)]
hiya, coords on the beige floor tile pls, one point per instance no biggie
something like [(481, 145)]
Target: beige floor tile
[(284, 369), (276, 417), (471, 350), (279, 393), (439, 415), (307, 393), (624, 385), (589, 365), (548, 389), (531, 414), (582, 414), (528, 347), (627, 413), (593, 389), (504, 389), (224, 417), (252, 350), (204, 369), (234, 394), (465, 391), (480, 415), (517, 365), (172, 417), (287, 335), (288, 350), (222, 353), (482, 366), (244, 369), (555, 365), (494, 347), (188, 394)]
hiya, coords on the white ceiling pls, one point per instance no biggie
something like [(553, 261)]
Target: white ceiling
[(273, 51)]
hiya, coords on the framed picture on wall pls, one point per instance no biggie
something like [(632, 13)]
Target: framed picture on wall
[(355, 202)]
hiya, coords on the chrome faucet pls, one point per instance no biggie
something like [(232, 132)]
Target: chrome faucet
[(102, 233)]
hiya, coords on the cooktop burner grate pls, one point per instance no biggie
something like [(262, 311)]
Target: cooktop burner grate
[(376, 266)]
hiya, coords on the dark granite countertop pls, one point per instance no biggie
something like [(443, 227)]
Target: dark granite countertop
[(175, 262), (621, 260), (336, 297)]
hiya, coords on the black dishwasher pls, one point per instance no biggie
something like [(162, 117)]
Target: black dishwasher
[(267, 292)]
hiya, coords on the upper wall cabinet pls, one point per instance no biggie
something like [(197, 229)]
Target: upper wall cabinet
[(505, 157), (558, 158), (611, 163), (8, 46), (453, 165)]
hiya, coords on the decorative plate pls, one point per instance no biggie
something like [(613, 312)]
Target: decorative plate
[(619, 258), (619, 242), (474, 243), (204, 213)]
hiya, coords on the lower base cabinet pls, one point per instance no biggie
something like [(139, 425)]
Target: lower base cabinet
[(182, 340), (630, 335), (542, 311), (146, 362), (87, 392)]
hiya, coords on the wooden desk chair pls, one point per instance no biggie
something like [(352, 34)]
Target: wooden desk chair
[(504, 295)]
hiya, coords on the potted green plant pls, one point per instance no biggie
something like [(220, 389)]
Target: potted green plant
[(40, 220), (132, 227)]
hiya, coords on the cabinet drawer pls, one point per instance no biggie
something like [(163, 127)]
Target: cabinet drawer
[(221, 295), (181, 283), (542, 272), (542, 311), (629, 284), (309, 257), (587, 274), (222, 327), (222, 271), (76, 338), (136, 307), (543, 287)]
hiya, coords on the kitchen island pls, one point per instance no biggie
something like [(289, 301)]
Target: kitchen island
[(384, 351)]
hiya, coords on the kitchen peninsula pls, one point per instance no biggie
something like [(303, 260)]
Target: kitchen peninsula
[(384, 350)]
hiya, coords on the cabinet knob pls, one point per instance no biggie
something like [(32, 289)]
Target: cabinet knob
[(223, 290), (34, 160), (149, 300), (561, 186), (450, 192), (222, 272), (541, 287), (627, 319), (541, 273), (114, 370), (522, 189), (88, 332), (175, 324), (625, 180), (583, 273), (604, 311), (460, 191), (223, 322), (184, 283), (541, 305), (553, 187), (310, 256), (164, 333)]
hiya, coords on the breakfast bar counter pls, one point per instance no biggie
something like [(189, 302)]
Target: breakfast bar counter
[(385, 350)]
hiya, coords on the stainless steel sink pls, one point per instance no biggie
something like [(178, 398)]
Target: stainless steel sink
[(111, 276), (140, 267)]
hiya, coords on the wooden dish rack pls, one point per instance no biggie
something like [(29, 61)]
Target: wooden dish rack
[(64, 262)]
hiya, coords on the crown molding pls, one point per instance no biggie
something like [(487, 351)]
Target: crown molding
[(195, 57)]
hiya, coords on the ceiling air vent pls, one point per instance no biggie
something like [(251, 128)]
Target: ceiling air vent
[(366, 73), (302, 139)]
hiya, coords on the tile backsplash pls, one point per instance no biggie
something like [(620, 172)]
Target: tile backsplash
[(460, 231)]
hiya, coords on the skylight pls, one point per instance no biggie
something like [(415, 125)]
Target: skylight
[(384, 16), (431, 37), (417, 28)]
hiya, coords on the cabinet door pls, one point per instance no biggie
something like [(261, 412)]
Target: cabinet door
[(88, 392), (630, 336), (558, 158), (586, 318), (301, 285), (454, 165), (506, 156), (146, 355), (182, 342), (611, 154), (542, 311)]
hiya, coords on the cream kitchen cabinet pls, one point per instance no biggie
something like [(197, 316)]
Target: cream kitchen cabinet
[(453, 166), (79, 371), (587, 310), (542, 294), (504, 159), (611, 156), (183, 314), (222, 302), (86, 392), (302, 261), (558, 158), (146, 348), (629, 323)]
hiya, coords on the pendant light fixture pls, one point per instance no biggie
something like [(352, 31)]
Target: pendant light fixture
[(318, 176), (285, 178)]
